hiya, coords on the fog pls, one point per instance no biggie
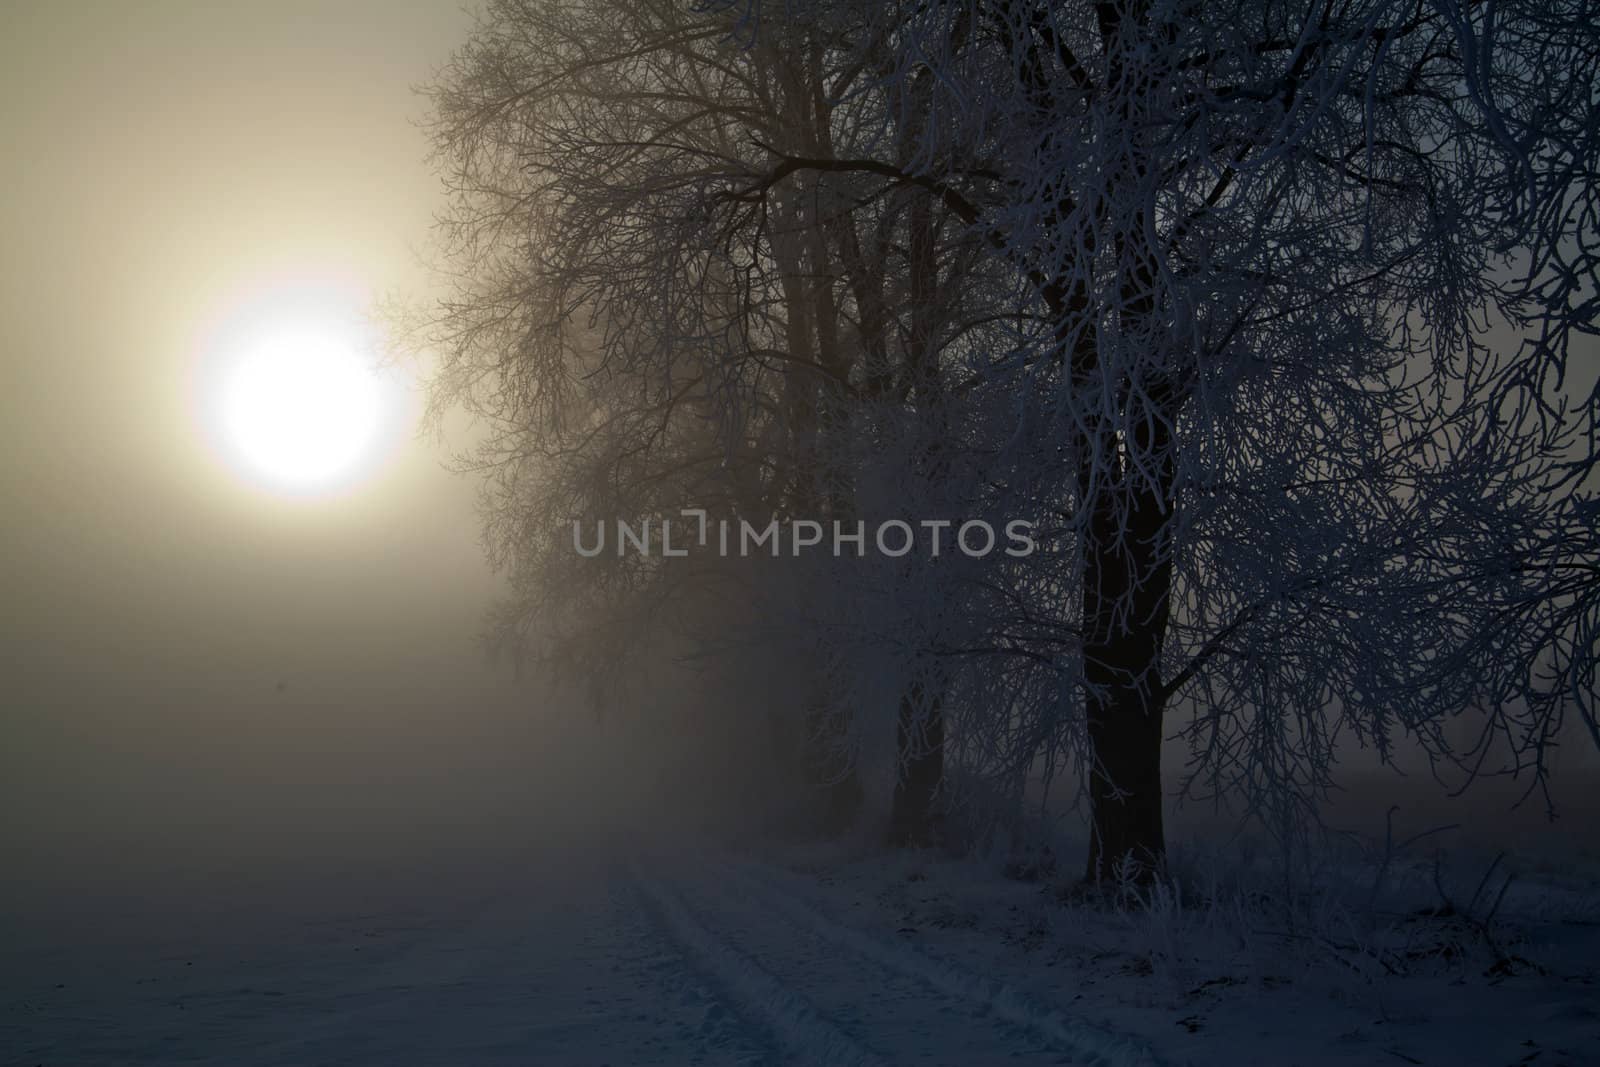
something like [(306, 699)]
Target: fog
[(197, 670), (218, 700)]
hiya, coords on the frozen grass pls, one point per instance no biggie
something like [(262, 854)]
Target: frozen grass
[(1403, 950)]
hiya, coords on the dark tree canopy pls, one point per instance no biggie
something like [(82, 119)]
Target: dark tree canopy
[(1266, 315)]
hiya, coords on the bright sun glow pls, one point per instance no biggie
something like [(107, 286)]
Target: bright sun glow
[(295, 400), (301, 406)]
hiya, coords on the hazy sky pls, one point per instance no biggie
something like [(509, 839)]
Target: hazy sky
[(165, 161)]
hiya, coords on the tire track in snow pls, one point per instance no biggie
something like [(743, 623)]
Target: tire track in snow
[(1084, 1041), (651, 957), (805, 1034), (880, 1006)]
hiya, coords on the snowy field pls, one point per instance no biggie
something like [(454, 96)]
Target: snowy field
[(563, 954)]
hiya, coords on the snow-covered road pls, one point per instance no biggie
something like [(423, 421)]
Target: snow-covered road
[(554, 959), (831, 992)]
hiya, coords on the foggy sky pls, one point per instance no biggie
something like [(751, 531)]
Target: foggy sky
[(164, 159)]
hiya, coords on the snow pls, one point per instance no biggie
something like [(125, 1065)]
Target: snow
[(1224, 984), (569, 955), (535, 963)]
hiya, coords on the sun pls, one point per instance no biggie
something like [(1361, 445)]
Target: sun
[(295, 399)]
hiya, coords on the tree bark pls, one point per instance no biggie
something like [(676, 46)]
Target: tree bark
[(1127, 588), (915, 817), (919, 725), (831, 770)]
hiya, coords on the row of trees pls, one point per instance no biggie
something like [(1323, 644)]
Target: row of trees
[(1259, 311)]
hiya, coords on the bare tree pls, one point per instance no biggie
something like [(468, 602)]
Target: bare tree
[(649, 319), (1260, 310), (1301, 279)]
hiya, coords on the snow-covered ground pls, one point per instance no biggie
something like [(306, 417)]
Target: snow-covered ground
[(1228, 982), (578, 955)]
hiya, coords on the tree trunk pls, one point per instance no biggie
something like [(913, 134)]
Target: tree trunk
[(1125, 781), (1127, 587), (919, 725), (831, 769), (915, 818)]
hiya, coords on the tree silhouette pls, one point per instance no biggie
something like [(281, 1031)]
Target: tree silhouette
[(1262, 311)]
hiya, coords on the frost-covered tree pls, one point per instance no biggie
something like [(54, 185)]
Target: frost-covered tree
[(1297, 286), (1262, 311), (648, 319)]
